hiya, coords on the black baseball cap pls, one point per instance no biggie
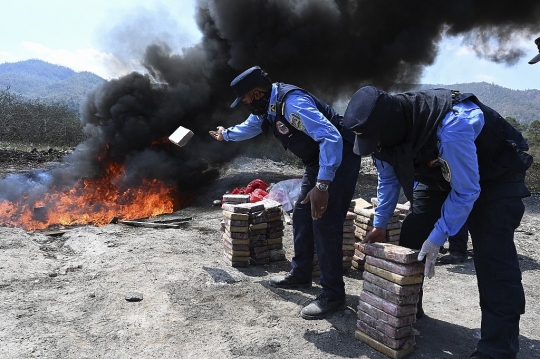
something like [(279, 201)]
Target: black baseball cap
[(364, 117), (246, 81), (535, 59)]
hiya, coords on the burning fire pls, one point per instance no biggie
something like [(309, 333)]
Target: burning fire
[(95, 201)]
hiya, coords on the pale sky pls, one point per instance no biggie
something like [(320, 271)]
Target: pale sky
[(106, 37)]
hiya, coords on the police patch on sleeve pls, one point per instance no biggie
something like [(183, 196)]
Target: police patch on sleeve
[(445, 169), (296, 121)]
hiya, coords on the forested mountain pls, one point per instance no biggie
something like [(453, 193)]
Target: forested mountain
[(38, 79), (60, 84), (523, 105)]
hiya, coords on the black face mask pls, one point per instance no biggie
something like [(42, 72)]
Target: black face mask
[(395, 122), (259, 107)]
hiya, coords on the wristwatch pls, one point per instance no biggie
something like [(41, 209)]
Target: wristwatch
[(321, 186)]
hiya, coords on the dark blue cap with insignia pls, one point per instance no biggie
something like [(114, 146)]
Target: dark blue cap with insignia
[(535, 59), (364, 116), (246, 81)]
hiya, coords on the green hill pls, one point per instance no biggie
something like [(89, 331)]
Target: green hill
[(523, 105), (38, 79)]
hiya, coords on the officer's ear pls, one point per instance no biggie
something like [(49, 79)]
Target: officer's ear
[(258, 94)]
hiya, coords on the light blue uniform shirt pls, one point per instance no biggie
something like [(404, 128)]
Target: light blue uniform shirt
[(456, 136), (315, 125)]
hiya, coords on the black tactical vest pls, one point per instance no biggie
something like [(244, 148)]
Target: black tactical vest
[(500, 150), (294, 140)]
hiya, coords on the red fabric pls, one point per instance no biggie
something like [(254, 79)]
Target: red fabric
[(256, 189), (257, 195)]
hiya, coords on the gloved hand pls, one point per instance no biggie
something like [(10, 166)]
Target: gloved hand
[(430, 251)]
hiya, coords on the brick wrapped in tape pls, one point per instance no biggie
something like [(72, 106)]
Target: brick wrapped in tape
[(411, 299), (236, 216), (389, 352), (386, 306), (382, 338), (234, 222), (398, 268), (236, 198), (390, 286), (385, 328), (235, 253), (235, 263), (393, 277), (235, 247), (235, 241), (238, 235), (391, 252), (389, 319)]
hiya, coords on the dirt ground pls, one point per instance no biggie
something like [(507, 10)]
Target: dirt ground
[(64, 296)]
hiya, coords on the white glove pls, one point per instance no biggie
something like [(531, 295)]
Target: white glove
[(430, 251)]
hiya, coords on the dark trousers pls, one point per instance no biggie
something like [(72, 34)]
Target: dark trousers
[(326, 233), (491, 224), (458, 242)]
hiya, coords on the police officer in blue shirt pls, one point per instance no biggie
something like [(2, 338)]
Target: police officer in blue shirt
[(311, 130), (470, 166)]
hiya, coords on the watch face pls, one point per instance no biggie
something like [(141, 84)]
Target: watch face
[(321, 186)]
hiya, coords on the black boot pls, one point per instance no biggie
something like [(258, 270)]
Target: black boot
[(479, 355), (321, 307), (289, 281)]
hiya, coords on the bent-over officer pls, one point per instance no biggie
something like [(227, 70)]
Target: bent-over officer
[(470, 166), (311, 130)]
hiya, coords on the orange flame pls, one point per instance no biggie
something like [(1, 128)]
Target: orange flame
[(95, 201)]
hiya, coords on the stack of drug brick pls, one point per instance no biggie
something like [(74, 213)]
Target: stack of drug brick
[(358, 205), (364, 224), (403, 208), (252, 232), (235, 229), (258, 243), (387, 305), (274, 230), (348, 240)]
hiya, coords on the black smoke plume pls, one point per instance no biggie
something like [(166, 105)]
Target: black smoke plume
[(327, 47)]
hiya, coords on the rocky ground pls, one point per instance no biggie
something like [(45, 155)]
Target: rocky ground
[(65, 296)]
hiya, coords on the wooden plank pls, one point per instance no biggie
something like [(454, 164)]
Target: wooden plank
[(150, 224), (173, 220), (55, 233)]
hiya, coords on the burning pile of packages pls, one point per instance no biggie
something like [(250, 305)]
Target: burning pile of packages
[(252, 232), (387, 305)]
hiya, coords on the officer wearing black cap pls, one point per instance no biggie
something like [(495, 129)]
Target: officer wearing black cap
[(311, 130), (469, 165)]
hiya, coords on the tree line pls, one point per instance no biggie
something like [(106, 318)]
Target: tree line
[(31, 121), (37, 123)]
